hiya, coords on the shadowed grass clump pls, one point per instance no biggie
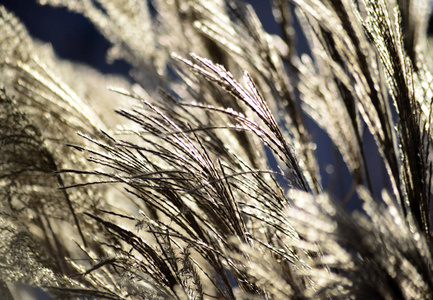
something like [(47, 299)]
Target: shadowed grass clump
[(202, 179)]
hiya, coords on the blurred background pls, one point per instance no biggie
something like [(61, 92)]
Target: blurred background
[(74, 38)]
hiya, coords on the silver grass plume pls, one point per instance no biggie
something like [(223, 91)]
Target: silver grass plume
[(163, 189)]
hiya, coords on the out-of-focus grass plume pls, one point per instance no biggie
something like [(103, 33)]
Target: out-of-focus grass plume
[(165, 189)]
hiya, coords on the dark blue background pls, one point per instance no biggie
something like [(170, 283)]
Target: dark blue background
[(75, 38)]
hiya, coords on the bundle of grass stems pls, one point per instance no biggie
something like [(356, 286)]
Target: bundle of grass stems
[(202, 177)]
